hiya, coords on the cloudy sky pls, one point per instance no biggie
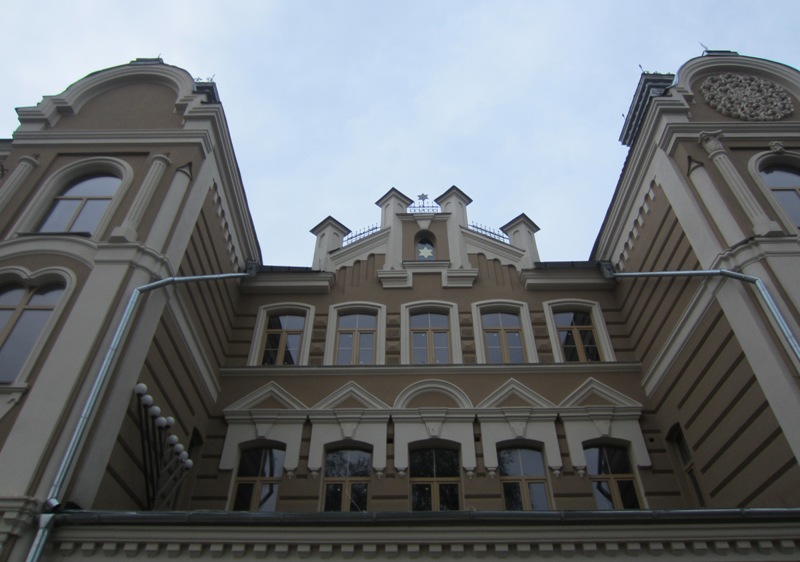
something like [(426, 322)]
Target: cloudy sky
[(333, 102)]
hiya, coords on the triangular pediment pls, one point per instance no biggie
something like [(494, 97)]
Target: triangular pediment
[(514, 394), (594, 393), (350, 396), (269, 396)]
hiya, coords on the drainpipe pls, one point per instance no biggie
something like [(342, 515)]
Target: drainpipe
[(52, 503), (775, 313)]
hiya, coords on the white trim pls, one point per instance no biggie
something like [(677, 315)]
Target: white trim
[(336, 310), (260, 330), (442, 387), (598, 323), (59, 180), (450, 308), (517, 307)]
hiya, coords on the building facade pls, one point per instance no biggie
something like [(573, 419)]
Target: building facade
[(424, 389)]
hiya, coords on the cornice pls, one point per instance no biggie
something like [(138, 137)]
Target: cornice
[(540, 279), (587, 369), (641, 534), (314, 282), (115, 137)]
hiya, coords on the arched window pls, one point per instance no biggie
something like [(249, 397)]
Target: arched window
[(683, 455), (784, 182), (425, 250), (24, 313), (524, 479), (284, 339), (435, 476), (79, 208), (257, 479), (502, 337), (612, 478), (347, 473)]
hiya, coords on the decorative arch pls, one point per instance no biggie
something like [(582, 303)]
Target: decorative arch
[(63, 177), (436, 386), (51, 108)]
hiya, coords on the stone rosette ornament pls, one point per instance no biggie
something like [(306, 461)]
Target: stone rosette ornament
[(746, 97)]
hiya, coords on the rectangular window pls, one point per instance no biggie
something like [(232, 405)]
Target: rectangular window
[(611, 476), (435, 480), (430, 338), (576, 336), (257, 479), (347, 473), (284, 339), (524, 479), (684, 456), (355, 339), (502, 336)]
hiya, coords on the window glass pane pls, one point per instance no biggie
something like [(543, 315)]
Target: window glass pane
[(336, 463), (358, 496), (348, 321), (333, 496), (366, 349), (97, 186), (419, 348), (563, 318), (244, 494), (509, 320), (5, 318), (60, 216), (491, 320), (448, 497), (271, 350), (618, 462), (421, 463), (627, 494), (273, 463), (439, 320), (269, 496), (425, 250), (447, 462), (790, 201), (538, 494), (367, 321), (441, 348), (421, 499), (292, 322), (420, 321), (509, 462), (89, 216), (11, 295), (513, 496), (344, 353), (292, 354), (515, 352), (581, 319), (602, 494), (15, 350), (359, 463), (593, 460), (781, 176), (46, 296), (250, 462), (532, 462)]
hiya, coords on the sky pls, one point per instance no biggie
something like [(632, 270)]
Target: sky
[(331, 103)]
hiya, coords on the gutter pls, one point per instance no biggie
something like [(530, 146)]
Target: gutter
[(46, 519), (772, 308)]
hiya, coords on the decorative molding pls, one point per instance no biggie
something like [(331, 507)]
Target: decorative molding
[(746, 97)]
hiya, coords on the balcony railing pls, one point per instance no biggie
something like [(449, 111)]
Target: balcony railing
[(490, 232), (357, 235)]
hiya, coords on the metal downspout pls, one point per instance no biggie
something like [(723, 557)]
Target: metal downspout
[(46, 519), (608, 271)]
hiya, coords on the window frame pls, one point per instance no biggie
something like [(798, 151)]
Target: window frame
[(435, 481), (524, 480), (436, 307), (62, 179), (602, 339), (42, 278), (522, 311), (257, 481), (259, 341), (761, 162), (346, 481), (356, 307), (683, 458), (614, 478)]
